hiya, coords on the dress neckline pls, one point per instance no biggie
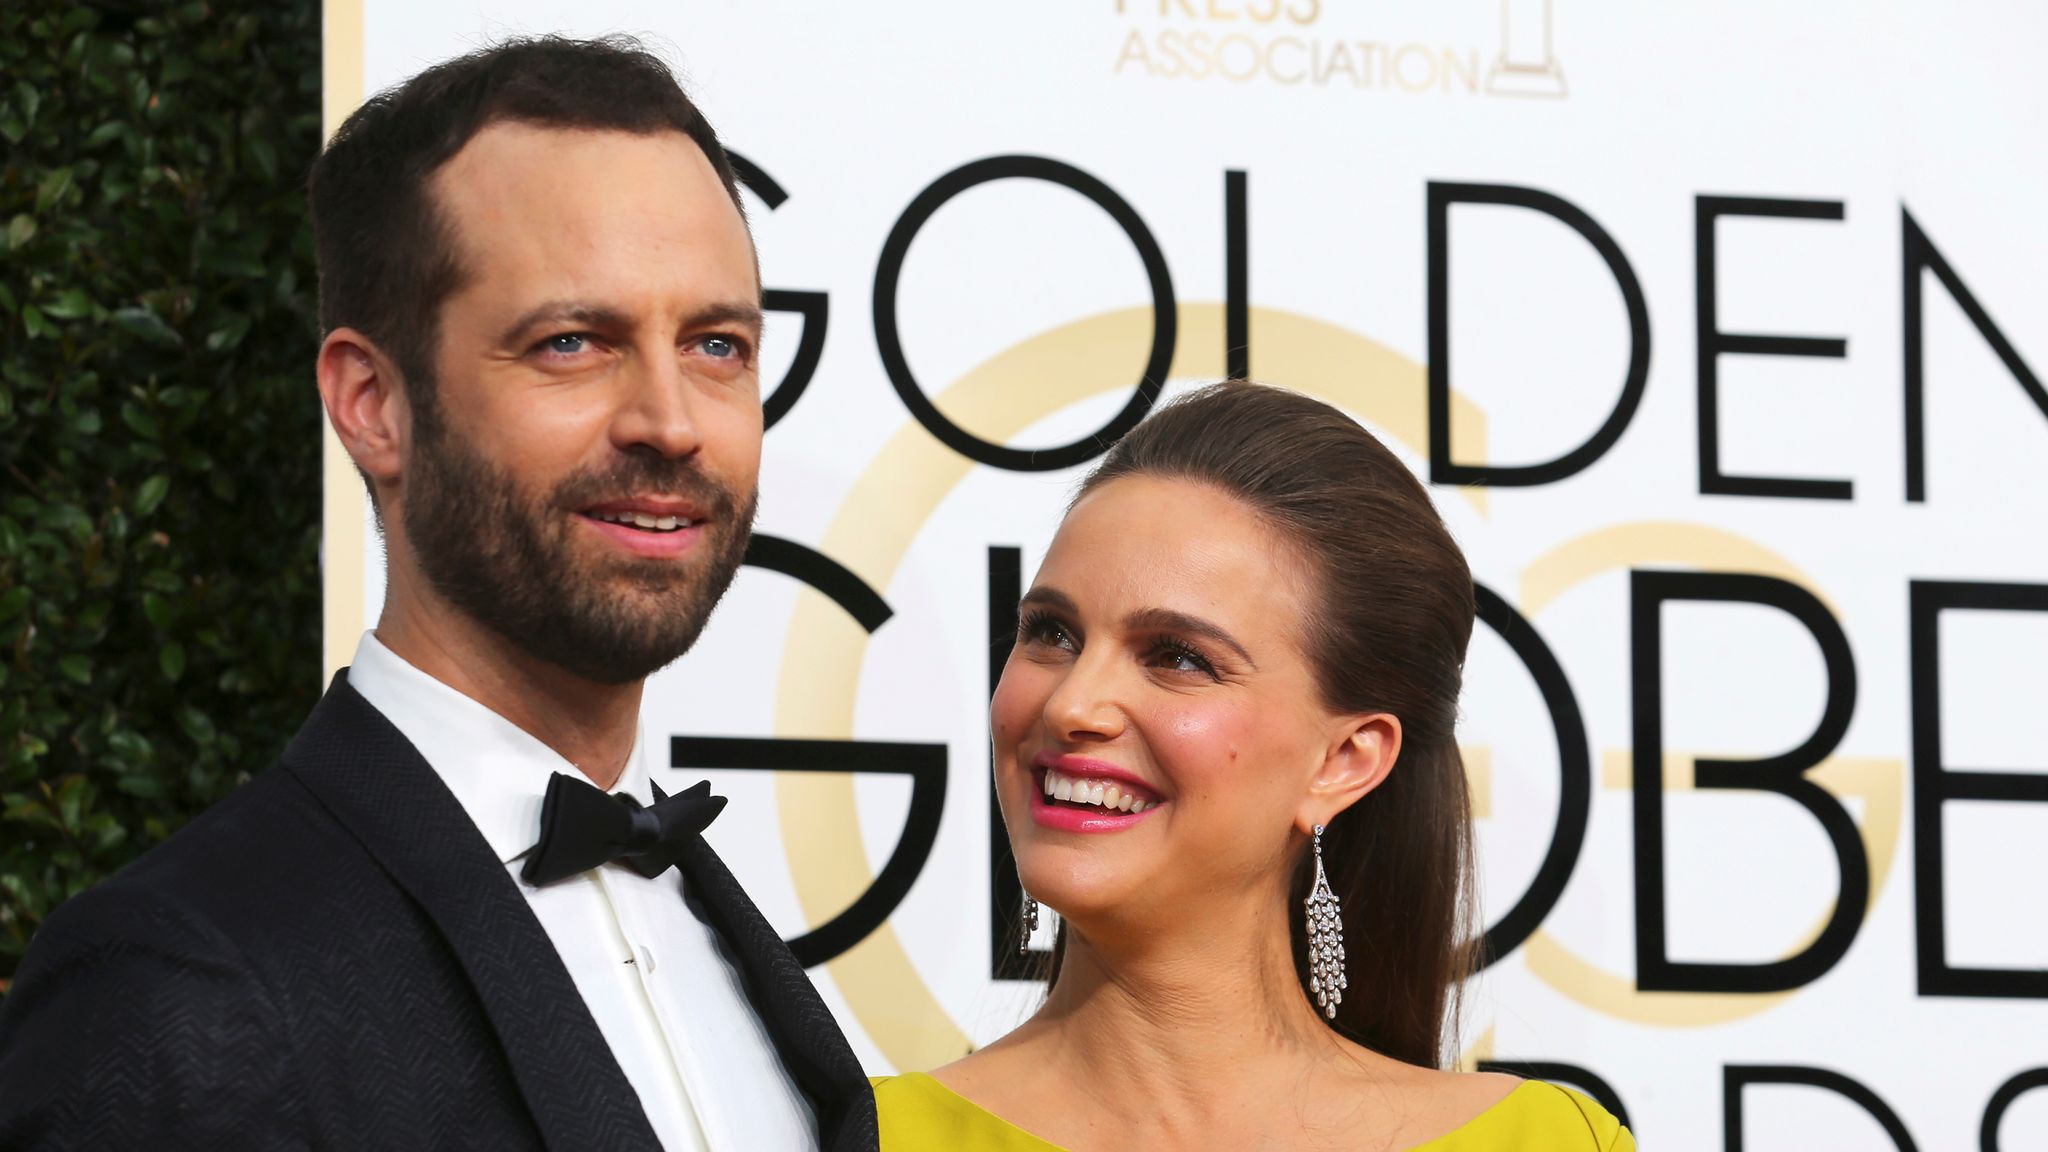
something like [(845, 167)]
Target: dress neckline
[(1483, 1119)]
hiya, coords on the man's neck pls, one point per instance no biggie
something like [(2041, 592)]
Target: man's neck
[(591, 725)]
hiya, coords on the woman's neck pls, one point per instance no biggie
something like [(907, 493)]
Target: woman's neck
[(1200, 1028)]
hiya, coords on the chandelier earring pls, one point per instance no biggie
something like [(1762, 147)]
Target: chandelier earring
[(1326, 980)]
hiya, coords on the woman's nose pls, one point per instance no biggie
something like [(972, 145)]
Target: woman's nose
[(1086, 704)]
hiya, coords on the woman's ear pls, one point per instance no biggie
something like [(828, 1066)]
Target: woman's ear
[(359, 387), (1357, 762)]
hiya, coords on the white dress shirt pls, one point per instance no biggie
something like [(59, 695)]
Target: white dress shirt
[(671, 1007)]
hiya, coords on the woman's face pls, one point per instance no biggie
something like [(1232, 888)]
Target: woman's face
[(1160, 688)]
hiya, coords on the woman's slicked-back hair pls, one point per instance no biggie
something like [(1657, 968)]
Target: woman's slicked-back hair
[(1392, 611)]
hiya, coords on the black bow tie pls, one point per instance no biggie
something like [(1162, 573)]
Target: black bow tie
[(583, 826)]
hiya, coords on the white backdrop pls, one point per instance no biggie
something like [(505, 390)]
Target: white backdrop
[(1504, 174)]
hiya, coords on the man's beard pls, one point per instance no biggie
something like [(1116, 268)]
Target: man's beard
[(509, 564)]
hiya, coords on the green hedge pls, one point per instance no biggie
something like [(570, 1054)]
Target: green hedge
[(159, 460)]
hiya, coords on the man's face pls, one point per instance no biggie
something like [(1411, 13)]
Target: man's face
[(585, 481)]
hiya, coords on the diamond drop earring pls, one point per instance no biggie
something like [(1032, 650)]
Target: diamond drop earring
[(1326, 980), (1029, 920)]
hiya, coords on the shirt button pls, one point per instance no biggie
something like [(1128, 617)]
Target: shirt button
[(646, 959)]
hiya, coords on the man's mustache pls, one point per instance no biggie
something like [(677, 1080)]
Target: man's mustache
[(648, 476)]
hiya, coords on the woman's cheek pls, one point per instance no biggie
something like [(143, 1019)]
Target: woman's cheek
[(1202, 743), (1019, 698)]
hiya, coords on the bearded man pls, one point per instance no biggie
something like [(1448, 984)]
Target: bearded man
[(428, 925)]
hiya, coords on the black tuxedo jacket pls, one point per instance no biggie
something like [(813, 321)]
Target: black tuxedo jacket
[(333, 957)]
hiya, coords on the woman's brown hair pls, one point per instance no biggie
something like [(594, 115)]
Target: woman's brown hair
[(1394, 610)]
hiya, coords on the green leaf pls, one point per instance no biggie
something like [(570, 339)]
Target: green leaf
[(111, 130), (32, 319), (172, 660), (151, 494), (157, 609), (264, 156), (52, 188), (71, 304), (29, 810), (130, 746), (147, 326), (72, 797), (198, 725), (13, 601), (139, 419), (230, 334), (141, 785), (76, 667), (20, 231)]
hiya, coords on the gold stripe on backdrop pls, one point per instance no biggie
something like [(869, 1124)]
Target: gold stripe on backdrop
[(341, 503)]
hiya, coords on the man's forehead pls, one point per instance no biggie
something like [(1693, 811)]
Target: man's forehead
[(529, 161), (520, 192)]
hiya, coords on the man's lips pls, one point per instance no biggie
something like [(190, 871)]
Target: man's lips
[(655, 507), (652, 528)]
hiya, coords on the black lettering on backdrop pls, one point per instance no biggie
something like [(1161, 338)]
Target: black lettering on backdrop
[(1784, 774), (1934, 785), (1005, 894), (2011, 1090), (889, 340), (1920, 257), (812, 306), (1714, 343), (1736, 1077), (1575, 777), (1583, 1079), (1443, 469), (925, 764), (1237, 326)]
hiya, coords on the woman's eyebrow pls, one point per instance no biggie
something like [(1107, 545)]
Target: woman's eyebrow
[(1168, 620), (1045, 596)]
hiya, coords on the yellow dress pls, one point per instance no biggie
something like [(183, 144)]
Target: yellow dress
[(919, 1114)]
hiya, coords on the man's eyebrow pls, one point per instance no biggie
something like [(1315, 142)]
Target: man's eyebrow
[(578, 312), (1168, 620), (586, 314), (736, 315)]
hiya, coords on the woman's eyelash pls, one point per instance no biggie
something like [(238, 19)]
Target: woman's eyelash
[(1182, 650), (1038, 625)]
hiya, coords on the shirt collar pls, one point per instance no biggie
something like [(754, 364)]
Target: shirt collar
[(498, 772)]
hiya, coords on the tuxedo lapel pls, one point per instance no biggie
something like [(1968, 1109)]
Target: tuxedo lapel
[(379, 787), (805, 1034)]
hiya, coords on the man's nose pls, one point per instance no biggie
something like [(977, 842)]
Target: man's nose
[(656, 410)]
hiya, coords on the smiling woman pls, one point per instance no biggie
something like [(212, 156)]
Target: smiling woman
[(1225, 754)]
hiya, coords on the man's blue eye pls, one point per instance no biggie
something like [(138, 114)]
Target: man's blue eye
[(720, 347), (567, 345)]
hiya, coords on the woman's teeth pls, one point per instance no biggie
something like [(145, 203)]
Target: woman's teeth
[(1101, 793)]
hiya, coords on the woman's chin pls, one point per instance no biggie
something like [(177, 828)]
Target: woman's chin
[(1083, 898)]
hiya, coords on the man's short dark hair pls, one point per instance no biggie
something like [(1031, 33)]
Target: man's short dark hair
[(386, 254)]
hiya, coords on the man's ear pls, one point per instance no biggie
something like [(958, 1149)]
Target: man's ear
[(1357, 762), (361, 391)]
